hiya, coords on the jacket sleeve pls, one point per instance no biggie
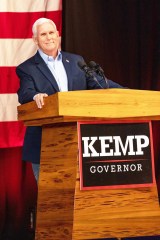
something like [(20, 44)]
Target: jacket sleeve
[(27, 89), (112, 84)]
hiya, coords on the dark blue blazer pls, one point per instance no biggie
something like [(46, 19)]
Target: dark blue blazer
[(35, 77)]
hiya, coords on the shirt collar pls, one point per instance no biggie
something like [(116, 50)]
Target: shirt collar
[(47, 58)]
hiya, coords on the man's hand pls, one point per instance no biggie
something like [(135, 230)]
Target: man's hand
[(38, 98)]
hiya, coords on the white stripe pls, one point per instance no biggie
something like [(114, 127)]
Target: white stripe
[(30, 5), (8, 107), (15, 51)]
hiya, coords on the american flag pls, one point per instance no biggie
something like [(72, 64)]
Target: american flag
[(16, 45)]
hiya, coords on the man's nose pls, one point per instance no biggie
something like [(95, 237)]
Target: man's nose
[(48, 36)]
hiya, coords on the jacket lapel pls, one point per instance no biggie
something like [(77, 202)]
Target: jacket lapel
[(68, 68), (41, 65)]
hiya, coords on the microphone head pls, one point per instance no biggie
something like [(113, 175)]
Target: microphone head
[(96, 67), (82, 65), (92, 64), (85, 68)]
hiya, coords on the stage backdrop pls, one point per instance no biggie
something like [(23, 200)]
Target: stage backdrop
[(17, 185), (123, 36)]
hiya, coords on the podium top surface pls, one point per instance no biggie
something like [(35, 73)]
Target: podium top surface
[(105, 103)]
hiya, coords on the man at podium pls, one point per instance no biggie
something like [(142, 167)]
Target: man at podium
[(49, 71)]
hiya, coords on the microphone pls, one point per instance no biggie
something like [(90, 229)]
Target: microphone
[(96, 67), (88, 72), (85, 68)]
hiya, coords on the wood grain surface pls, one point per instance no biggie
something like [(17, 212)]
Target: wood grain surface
[(57, 182), (106, 103), (66, 213)]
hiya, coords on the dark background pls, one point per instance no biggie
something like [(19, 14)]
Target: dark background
[(123, 36)]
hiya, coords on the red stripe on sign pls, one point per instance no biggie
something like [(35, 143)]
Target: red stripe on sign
[(12, 134), (9, 82), (19, 25)]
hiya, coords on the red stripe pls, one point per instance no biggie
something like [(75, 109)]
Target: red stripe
[(9, 82), (19, 25), (12, 134)]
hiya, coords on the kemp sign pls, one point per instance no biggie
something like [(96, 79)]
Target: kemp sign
[(115, 155)]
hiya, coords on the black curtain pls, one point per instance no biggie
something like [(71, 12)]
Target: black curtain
[(123, 36)]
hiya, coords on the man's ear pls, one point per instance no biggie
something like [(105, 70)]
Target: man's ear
[(57, 33), (35, 39)]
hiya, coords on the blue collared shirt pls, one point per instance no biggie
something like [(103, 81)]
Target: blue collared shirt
[(57, 69)]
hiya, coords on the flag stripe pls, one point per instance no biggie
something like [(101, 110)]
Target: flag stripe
[(9, 82), (12, 134), (30, 5), (15, 51), (8, 106), (14, 25)]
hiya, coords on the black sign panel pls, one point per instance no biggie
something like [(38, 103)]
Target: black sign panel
[(115, 154)]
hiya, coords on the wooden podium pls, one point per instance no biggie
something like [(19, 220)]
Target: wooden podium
[(66, 213)]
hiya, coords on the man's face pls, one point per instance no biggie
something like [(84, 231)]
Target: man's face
[(47, 39)]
